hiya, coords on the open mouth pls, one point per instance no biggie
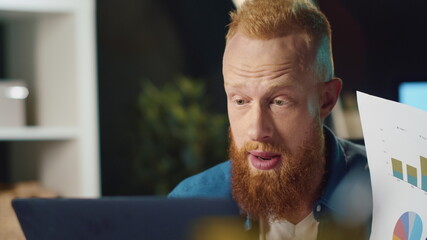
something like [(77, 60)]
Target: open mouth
[(264, 160)]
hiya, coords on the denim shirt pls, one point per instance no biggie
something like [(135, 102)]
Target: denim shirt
[(346, 197)]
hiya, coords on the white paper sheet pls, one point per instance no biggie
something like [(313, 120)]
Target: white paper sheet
[(396, 144)]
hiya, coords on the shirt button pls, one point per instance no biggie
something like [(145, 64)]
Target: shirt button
[(319, 208)]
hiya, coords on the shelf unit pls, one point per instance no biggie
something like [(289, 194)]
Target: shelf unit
[(50, 44)]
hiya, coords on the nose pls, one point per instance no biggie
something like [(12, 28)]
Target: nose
[(260, 126)]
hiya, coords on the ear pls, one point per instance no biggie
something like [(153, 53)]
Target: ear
[(329, 94)]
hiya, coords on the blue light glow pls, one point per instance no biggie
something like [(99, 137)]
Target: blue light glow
[(414, 94)]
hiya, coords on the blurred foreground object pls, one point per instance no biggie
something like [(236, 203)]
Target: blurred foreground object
[(116, 218), (9, 225), (178, 134), (238, 3), (223, 228)]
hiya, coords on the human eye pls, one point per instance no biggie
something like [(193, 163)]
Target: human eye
[(240, 101), (280, 102)]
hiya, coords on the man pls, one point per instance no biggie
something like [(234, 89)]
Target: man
[(286, 169)]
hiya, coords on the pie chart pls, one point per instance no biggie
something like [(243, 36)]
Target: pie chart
[(408, 227)]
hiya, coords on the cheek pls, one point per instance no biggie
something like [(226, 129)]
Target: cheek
[(313, 107), (313, 110), (292, 129), (237, 135), (236, 128)]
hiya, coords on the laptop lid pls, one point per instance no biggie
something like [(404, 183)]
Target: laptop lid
[(118, 217)]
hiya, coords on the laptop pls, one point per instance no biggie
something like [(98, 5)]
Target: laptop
[(123, 218)]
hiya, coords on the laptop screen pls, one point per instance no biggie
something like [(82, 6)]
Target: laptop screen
[(414, 94)]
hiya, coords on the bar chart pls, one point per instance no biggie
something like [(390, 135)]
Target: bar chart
[(411, 172)]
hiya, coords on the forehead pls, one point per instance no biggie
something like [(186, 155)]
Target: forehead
[(268, 59), (293, 43)]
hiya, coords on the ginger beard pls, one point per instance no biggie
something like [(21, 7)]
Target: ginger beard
[(279, 193)]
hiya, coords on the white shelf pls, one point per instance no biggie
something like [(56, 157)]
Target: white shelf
[(50, 44), (37, 133), (38, 6)]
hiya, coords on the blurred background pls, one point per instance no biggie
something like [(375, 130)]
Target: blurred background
[(137, 96), (377, 45), (168, 44)]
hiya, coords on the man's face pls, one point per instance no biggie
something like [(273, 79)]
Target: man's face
[(275, 121), (271, 98)]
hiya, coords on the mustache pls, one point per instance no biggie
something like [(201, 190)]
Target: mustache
[(262, 146), (252, 145)]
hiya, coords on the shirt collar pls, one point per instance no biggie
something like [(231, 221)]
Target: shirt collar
[(336, 169)]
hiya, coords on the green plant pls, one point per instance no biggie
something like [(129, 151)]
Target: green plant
[(178, 134)]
